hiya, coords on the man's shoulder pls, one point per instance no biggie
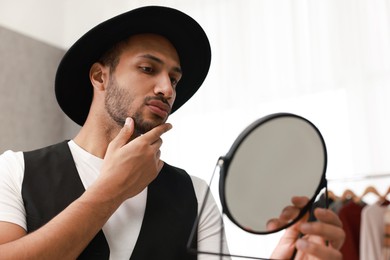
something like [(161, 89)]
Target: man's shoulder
[(173, 169), (198, 183), (14, 160), (10, 158), (171, 174)]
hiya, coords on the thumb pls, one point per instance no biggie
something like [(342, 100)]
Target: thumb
[(125, 134)]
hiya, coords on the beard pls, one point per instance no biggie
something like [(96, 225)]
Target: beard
[(117, 102)]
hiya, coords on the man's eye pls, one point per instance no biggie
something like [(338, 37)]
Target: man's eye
[(174, 82), (146, 69)]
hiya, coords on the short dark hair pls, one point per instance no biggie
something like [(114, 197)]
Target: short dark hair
[(111, 56)]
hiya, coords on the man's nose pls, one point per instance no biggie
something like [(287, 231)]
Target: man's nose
[(164, 86)]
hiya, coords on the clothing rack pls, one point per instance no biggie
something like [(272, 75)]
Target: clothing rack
[(371, 187)]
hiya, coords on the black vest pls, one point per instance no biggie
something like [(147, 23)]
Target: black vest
[(51, 182)]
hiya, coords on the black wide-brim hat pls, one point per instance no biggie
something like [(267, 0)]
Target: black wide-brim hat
[(73, 88)]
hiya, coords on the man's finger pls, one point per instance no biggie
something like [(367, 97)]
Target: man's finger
[(124, 135), (327, 216), (154, 135), (334, 232), (273, 224), (289, 213), (299, 201), (327, 228), (317, 250)]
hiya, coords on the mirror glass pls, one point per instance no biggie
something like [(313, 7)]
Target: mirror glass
[(275, 158)]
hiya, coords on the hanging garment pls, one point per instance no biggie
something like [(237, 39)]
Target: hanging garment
[(371, 231), (386, 236), (350, 216)]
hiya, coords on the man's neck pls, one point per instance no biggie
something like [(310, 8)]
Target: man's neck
[(94, 138)]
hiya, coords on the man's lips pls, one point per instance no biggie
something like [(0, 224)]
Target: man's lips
[(159, 108)]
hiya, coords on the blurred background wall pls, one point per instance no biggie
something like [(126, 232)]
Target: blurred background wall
[(30, 116)]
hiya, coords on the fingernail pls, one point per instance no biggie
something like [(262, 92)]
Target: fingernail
[(302, 244), (128, 121)]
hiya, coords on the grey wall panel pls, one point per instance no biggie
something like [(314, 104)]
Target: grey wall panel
[(29, 114)]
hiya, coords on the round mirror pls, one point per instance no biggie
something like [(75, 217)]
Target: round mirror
[(274, 159)]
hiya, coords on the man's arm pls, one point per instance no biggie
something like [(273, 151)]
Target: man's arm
[(127, 169), (9, 232), (65, 236)]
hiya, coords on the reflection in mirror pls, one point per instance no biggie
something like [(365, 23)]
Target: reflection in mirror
[(276, 158)]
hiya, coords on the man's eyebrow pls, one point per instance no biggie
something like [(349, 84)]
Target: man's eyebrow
[(154, 58)]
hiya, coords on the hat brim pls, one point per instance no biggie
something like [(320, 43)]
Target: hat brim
[(73, 88)]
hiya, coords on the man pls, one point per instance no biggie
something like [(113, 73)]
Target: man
[(106, 193)]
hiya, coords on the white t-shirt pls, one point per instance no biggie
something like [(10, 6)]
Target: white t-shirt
[(121, 234)]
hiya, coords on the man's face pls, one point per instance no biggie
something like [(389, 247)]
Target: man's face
[(143, 85)]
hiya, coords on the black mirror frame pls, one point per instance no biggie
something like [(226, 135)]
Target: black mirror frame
[(226, 160)]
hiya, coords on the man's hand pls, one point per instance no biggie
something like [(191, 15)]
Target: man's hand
[(312, 240), (129, 167)]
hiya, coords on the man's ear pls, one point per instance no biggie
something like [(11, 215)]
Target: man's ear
[(98, 75)]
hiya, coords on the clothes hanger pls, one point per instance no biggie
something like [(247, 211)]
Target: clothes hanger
[(349, 195), (372, 190), (387, 193), (386, 201)]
